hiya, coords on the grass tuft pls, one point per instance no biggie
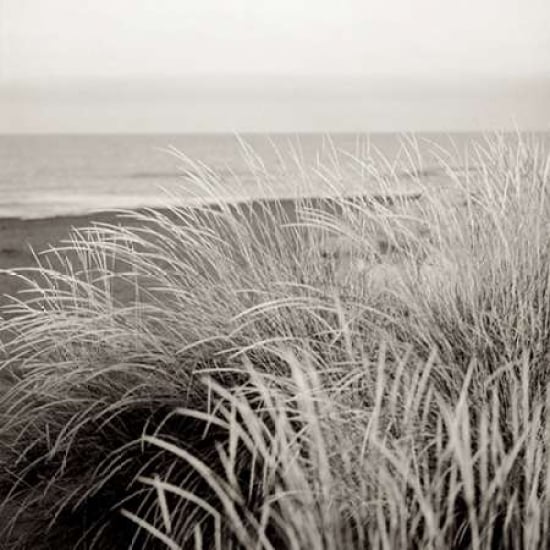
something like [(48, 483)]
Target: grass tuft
[(331, 372)]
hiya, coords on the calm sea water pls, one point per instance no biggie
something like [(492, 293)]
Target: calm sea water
[(42, 176)]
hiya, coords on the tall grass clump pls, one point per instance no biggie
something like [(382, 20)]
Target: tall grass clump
[(365, 371)]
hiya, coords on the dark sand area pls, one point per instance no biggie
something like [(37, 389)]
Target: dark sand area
[(19, 238)]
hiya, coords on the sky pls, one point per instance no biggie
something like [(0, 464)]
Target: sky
[(279, 65)]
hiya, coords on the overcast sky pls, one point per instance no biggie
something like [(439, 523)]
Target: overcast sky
[(245, 65)]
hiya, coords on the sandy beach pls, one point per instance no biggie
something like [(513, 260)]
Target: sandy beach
[(20, 237)]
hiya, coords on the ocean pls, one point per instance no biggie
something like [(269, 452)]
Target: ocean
[(55, 175)]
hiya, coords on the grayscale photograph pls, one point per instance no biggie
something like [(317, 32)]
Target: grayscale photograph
[(274, 275)]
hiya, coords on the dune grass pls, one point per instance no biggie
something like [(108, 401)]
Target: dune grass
[(357, 372)]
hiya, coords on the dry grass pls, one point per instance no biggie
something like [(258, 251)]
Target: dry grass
[(359, 373)]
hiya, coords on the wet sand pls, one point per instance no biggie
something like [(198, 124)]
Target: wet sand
[(18, 238)]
